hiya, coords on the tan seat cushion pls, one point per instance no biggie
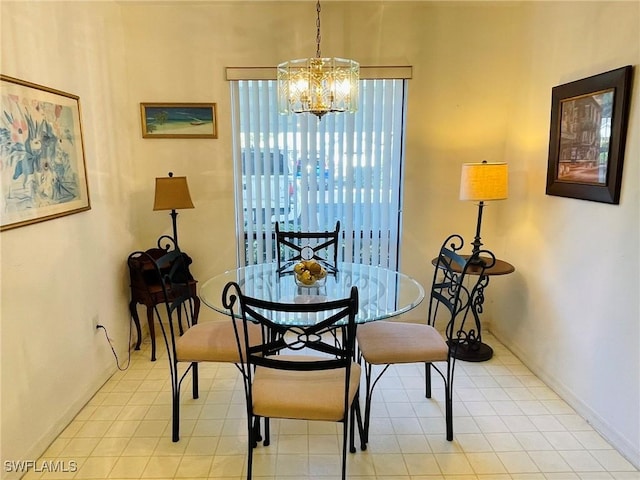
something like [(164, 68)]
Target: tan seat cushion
[(315, 395), (213, 342), (400, 342)]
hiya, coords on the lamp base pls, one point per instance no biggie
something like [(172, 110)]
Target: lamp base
[(475, 259), (473, 352)]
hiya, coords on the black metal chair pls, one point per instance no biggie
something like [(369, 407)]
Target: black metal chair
[(385, 343), (295, 372), (146, 288), (296, 246), (175, 312)]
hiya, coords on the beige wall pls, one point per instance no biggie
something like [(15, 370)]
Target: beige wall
[(60, 274), (457, 112), (572, 310), (483, 74)]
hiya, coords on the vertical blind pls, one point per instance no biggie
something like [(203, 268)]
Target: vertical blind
[(307, 173)]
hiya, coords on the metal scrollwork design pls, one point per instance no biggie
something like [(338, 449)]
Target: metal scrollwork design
[(478, 295), (166, 243), (455, 242), (297, 338)]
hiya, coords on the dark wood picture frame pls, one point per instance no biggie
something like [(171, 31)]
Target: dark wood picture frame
[(589, 120), (179, 120)]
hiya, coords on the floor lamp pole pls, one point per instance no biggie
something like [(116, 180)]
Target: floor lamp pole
[(174, 216), (477, 243)]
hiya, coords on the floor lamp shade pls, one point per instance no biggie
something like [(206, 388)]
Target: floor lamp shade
[(172, 193), (484, 181)]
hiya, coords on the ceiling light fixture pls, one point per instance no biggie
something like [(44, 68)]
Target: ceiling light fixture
[(318, 85)]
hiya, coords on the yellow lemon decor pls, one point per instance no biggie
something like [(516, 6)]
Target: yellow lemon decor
[(309, 273)]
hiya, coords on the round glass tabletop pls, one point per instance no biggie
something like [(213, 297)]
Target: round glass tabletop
[(382, 293)]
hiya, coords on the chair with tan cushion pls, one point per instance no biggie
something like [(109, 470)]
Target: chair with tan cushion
[(386, 343), (298, 372), (187, 341)]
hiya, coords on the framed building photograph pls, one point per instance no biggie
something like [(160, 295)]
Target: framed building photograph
[(42, 163), (179, 120), (587, 138)]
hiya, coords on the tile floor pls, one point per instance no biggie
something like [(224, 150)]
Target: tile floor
[(507, 424)]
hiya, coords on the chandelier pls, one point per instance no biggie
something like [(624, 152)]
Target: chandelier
[(318, 85)]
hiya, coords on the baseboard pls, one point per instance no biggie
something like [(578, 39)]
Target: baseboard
[(592, 418), (47, 438)]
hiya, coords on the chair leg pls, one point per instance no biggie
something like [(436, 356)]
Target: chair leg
[(427, 380), (176, 413), (367, 403), (255, 432), (351, 418), (363, 443), (152, 332), (194, 380), (368, 395), (370, 385), (180, 327), (267, 433), (344, 446), (449, 411), (251, 442)]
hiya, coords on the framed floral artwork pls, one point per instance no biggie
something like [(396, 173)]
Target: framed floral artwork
[(42, 163)]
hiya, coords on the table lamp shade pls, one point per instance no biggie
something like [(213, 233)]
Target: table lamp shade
[(172, 193), (484, 181)]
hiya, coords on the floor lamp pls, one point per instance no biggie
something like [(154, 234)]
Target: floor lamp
[(483, 182), (172, 193)]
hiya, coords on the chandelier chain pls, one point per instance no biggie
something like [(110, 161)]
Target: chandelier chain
[(318, 30)]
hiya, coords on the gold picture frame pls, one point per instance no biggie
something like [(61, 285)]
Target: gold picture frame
[(179, 120), (42, 161)]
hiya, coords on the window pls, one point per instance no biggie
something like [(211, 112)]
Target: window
[(307, 173)]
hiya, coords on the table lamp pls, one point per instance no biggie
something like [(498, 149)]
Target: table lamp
[(172, 193), (483, 182)]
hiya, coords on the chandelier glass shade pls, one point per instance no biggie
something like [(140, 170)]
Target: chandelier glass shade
[(318, 85)]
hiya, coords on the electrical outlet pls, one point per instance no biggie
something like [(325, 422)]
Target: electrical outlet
[(96, 323)]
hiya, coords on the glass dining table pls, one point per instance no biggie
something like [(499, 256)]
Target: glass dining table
[(382, 293)]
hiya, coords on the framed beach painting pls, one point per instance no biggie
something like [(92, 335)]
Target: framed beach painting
[(179, 120), (588, 135), (42, 164)]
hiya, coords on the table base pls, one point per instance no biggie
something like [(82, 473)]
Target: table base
[(473, 352)]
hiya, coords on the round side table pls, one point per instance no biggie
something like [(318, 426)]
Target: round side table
[(472, 348)]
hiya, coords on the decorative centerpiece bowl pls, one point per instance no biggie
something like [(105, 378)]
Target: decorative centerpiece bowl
[(309, 273)]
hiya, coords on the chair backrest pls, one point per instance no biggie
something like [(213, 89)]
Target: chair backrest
[(323, 322), (174, 288), (296, 246), (457, 289)]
